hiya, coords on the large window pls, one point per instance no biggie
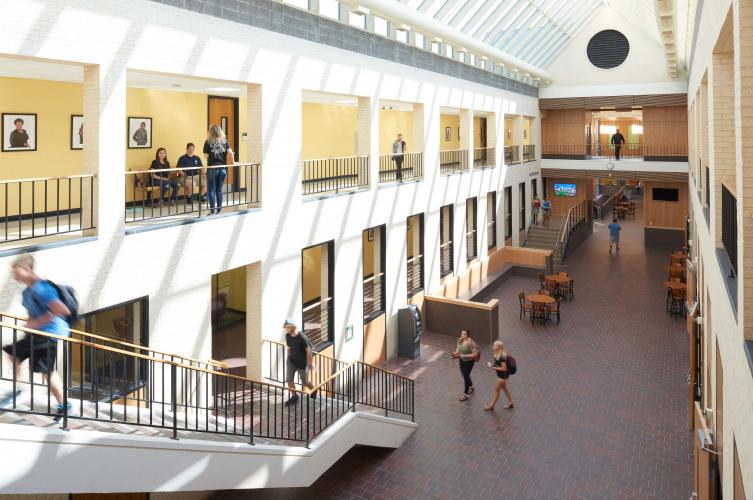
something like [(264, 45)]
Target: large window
[(415, 243), (446, 265), (729, 226), (319, 294), (508, 212), (471, 250), (491, 219), (374, 250), (522, 194)]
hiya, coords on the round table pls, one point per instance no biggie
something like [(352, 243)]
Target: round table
[(675, 285), (558, 278), (538, 298)]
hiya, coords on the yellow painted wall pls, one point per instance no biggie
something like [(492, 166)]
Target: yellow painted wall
[(452, 121), (368, 253), (391, 123), (328, 131), (312, 273), (527, 131), (509, 136), (233, 282)]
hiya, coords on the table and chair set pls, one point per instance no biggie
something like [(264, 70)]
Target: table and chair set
[(624, 210), (676, 283), (546, 303)]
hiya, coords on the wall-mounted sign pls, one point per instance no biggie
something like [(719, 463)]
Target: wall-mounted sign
[(348, 333)]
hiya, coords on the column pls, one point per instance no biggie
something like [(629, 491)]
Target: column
[(254, 337), (368, 135), (104, 154), (418, 138), (491, 136), (517, 136), (466, 135), (254, 144)]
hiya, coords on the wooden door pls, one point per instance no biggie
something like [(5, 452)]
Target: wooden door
[(223, 111), (375, 341), (703, 475)]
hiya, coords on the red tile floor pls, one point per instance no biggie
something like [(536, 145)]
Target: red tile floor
[(600, 400)]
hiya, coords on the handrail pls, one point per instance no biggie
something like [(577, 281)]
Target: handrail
[(414, 258), (31, 179), (372, 278), (180, 397), (563, 236), (317, 303), (610, 201), (219, 364), (335, 158), (530, 226), (196, 167)]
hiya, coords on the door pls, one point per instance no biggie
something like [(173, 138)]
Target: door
[(223, 111)]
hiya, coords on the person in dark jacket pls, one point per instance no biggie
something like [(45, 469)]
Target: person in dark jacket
[(617, 141)]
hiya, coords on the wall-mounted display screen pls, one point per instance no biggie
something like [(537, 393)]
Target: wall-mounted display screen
[(665, 194), (564, 190)]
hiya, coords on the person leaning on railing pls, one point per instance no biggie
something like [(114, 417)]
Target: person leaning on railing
[(46, 314), (192, 178), (162, 179)]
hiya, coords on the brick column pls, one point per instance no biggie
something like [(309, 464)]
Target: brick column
[(254, 144), (491, 135), (722, 97), (254, 337), (419, 131), (104, 154), (517, 135)]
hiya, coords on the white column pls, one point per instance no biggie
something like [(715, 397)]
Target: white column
[(466, 134), (368, 134), (254, 143), (418, 135)]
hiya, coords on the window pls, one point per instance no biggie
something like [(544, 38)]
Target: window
[(420, 40), (446, 264), (318, 289), (401, 35), (471, 250), (472, 59), (380, 26), (435, 47), (449, 51), (374, 259), (508, 212), (491, 217), (357, 19), (301, 4), (729, 226), (461, 57), (415, 245), (329, 8), (522, 190), (707, 189)]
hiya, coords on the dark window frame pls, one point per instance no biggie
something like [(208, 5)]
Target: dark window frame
[(420, 288), (491, 226), (471, 234), (382, 279), (508, 212), (330, 303), (449, 243)]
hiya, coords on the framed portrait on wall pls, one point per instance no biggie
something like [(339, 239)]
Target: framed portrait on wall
[(19, 132), (447, 133), (370, 234), (139, 132), (77, 132), (525, 134), (509, 134)]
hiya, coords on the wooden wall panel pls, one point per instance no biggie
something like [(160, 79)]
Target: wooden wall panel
[(665, 126), (560, 205), (375, 341), (666, 214), (564, 127)]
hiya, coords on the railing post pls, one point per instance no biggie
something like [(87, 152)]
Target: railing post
[(251, 413), (66, 351), (173, 398)]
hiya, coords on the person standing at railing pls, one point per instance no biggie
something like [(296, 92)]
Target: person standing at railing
[(162, 179), (617, 141), (47, 313), (466, 352), (300, 360), (216, 149), (192, 178), (399, 147)]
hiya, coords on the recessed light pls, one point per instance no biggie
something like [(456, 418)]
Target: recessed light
[(221, 89)]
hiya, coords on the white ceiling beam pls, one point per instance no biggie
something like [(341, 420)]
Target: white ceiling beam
[(666, 23)]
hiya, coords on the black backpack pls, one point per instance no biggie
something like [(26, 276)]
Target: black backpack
[(512, 365), (68, 297)]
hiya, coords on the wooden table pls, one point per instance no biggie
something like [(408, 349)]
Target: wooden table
[(679, 255), (539, 299), (675, 285), (558, 279)]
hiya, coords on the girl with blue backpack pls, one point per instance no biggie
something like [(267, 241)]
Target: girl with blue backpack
[(504, 365)]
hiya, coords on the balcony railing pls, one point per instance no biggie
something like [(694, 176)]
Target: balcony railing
[(316, 317), (529, 152), (180, 193), (484, 157), (176, 399), (45, 206), (401, 167), (470, 249), (415, 275), (445, 259), (512, 155), (373, 297), (629, 151), (332, 175), (453, 160)]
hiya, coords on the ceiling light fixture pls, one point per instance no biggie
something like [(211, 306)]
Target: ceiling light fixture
[(222, 89)]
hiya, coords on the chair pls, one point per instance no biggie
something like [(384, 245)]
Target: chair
[(524, 305), (677, 304), (631, 211), (542, 280), (551, 285), (562, 273), (554, 308), (544, 291), (567, 290), (539, 311)]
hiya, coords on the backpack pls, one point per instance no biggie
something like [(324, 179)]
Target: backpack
[(477, 357), (512, 365), (68, 297)]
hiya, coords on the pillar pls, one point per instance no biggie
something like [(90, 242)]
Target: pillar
[(254, 144), (254, 337), (368, 134), (466, 135)]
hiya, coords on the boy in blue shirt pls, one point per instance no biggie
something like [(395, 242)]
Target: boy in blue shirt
[(614, 234), (46, 314)]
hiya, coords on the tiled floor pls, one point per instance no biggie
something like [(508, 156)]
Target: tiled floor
[(600, 400)]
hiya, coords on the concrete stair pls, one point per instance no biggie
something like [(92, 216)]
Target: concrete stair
[(544, 237)]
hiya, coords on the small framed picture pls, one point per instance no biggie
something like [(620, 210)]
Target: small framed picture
[(509, 134), (525, 134), (19, 132), (139, 132), (458, 133), (447, 133), (371, 234), (77, 132)]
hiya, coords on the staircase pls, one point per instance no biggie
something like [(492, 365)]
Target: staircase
[(544, 237)]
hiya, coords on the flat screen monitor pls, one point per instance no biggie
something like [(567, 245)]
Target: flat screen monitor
[(665, 194), (564, 190)]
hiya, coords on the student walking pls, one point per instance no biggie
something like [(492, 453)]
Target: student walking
[(502, 366), (216, 149), (47, 313), (536, 208), (398, 155), (546, 207), (300, 360), (614, 234), (466, 352), (617, 141)]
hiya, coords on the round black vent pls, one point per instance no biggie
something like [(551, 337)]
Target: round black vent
[(608, 49)]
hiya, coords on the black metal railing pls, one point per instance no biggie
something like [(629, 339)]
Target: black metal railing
[(453, 160), (316, 316), (484, 157), (729, 226), (373, 296), (608, 205), (401, 167), (578, 216), (178, 192), (529, 152), (630, 151), (335, 174), (415, 275), (471, 250), (177, 398), (512, 155), (445, 259), (45, 206)]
